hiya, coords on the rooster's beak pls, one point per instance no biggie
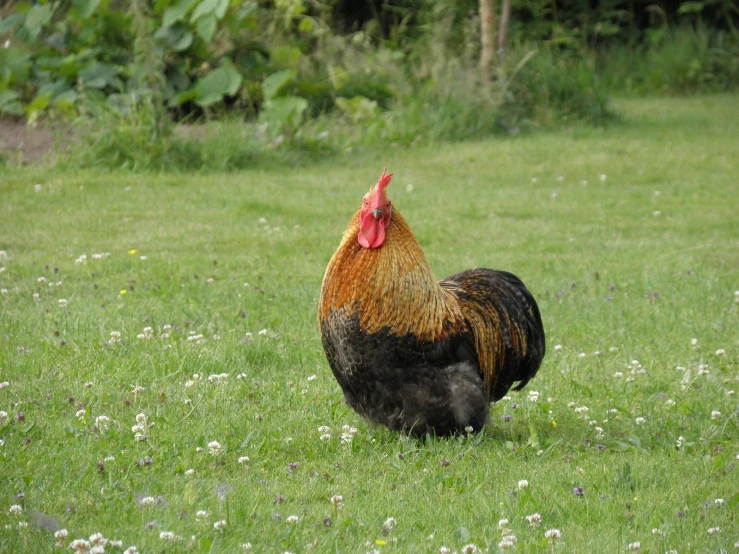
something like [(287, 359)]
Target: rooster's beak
[(377, 213)]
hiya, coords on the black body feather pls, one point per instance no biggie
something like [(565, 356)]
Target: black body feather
[(438, 386)]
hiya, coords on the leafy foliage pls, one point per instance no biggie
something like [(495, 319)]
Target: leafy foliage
[(391, 72)]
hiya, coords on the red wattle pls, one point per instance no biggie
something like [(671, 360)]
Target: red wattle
[(371, 232)]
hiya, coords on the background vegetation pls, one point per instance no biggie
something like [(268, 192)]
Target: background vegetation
[(312, 77)]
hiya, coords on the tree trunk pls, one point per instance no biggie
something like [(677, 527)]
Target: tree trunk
[(487, 24), (505, 17)]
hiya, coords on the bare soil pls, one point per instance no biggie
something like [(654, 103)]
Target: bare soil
[(29, 144)]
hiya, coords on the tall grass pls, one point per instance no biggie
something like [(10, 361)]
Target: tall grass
[(684, 60)]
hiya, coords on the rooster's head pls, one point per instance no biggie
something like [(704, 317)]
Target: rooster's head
[(374, 216)]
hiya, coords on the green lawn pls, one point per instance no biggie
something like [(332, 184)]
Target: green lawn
[(627, 236)]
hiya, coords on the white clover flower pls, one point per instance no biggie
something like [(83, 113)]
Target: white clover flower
[(657, 532), (337, 501), (292, 520), (534, 519), (506, 544), (640, 420), (243, 459), (131, 550), (599, 433), (168, 536), (714, 530), (325, 437), (715, 414), (190, 472), (581, 355), (214, 448), (552, 534), (390, 523), (669, 403), (470, 549), (680, 441), (719, 502), (503, 523), (200, 514), (22, 524), (324, 429), (445, 550), (533, 396), (61, 534), (634, 547), (468, 429), (3, 418), (246, 547), (522, 484), (102, 422), (15, 509), (603, 177), (4, 384), (720, 352), (694, 343), (63, 302), (263, 332), (80, 545), (98, 539), (148, 501)]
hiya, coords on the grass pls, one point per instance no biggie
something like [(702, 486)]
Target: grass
[(633, 265)]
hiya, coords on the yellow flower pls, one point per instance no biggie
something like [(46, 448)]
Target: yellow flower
[(554, 424), (123, 291), (380, 542), (132, 251)]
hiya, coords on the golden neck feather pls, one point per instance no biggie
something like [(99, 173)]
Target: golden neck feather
[(391, 286)]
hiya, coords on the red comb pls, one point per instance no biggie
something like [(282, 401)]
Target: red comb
[(384, 180)]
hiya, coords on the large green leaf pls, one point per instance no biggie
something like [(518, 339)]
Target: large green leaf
[(283, 114), (86, 7), (38, 104), (38, 16), (177, 12), (9, 103), (216, 8), (271, 85), (210, 89), (206, 27), (99, 75), (15, 65), (11, 22), (177, 37)]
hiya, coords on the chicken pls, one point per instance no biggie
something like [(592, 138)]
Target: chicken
[(419, 355)]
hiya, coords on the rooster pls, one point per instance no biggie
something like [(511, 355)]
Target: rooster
[(412, 353)]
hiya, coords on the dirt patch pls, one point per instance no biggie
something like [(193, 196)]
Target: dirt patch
[(30, 144)]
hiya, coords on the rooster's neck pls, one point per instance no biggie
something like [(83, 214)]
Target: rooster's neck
[(388, 287)]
